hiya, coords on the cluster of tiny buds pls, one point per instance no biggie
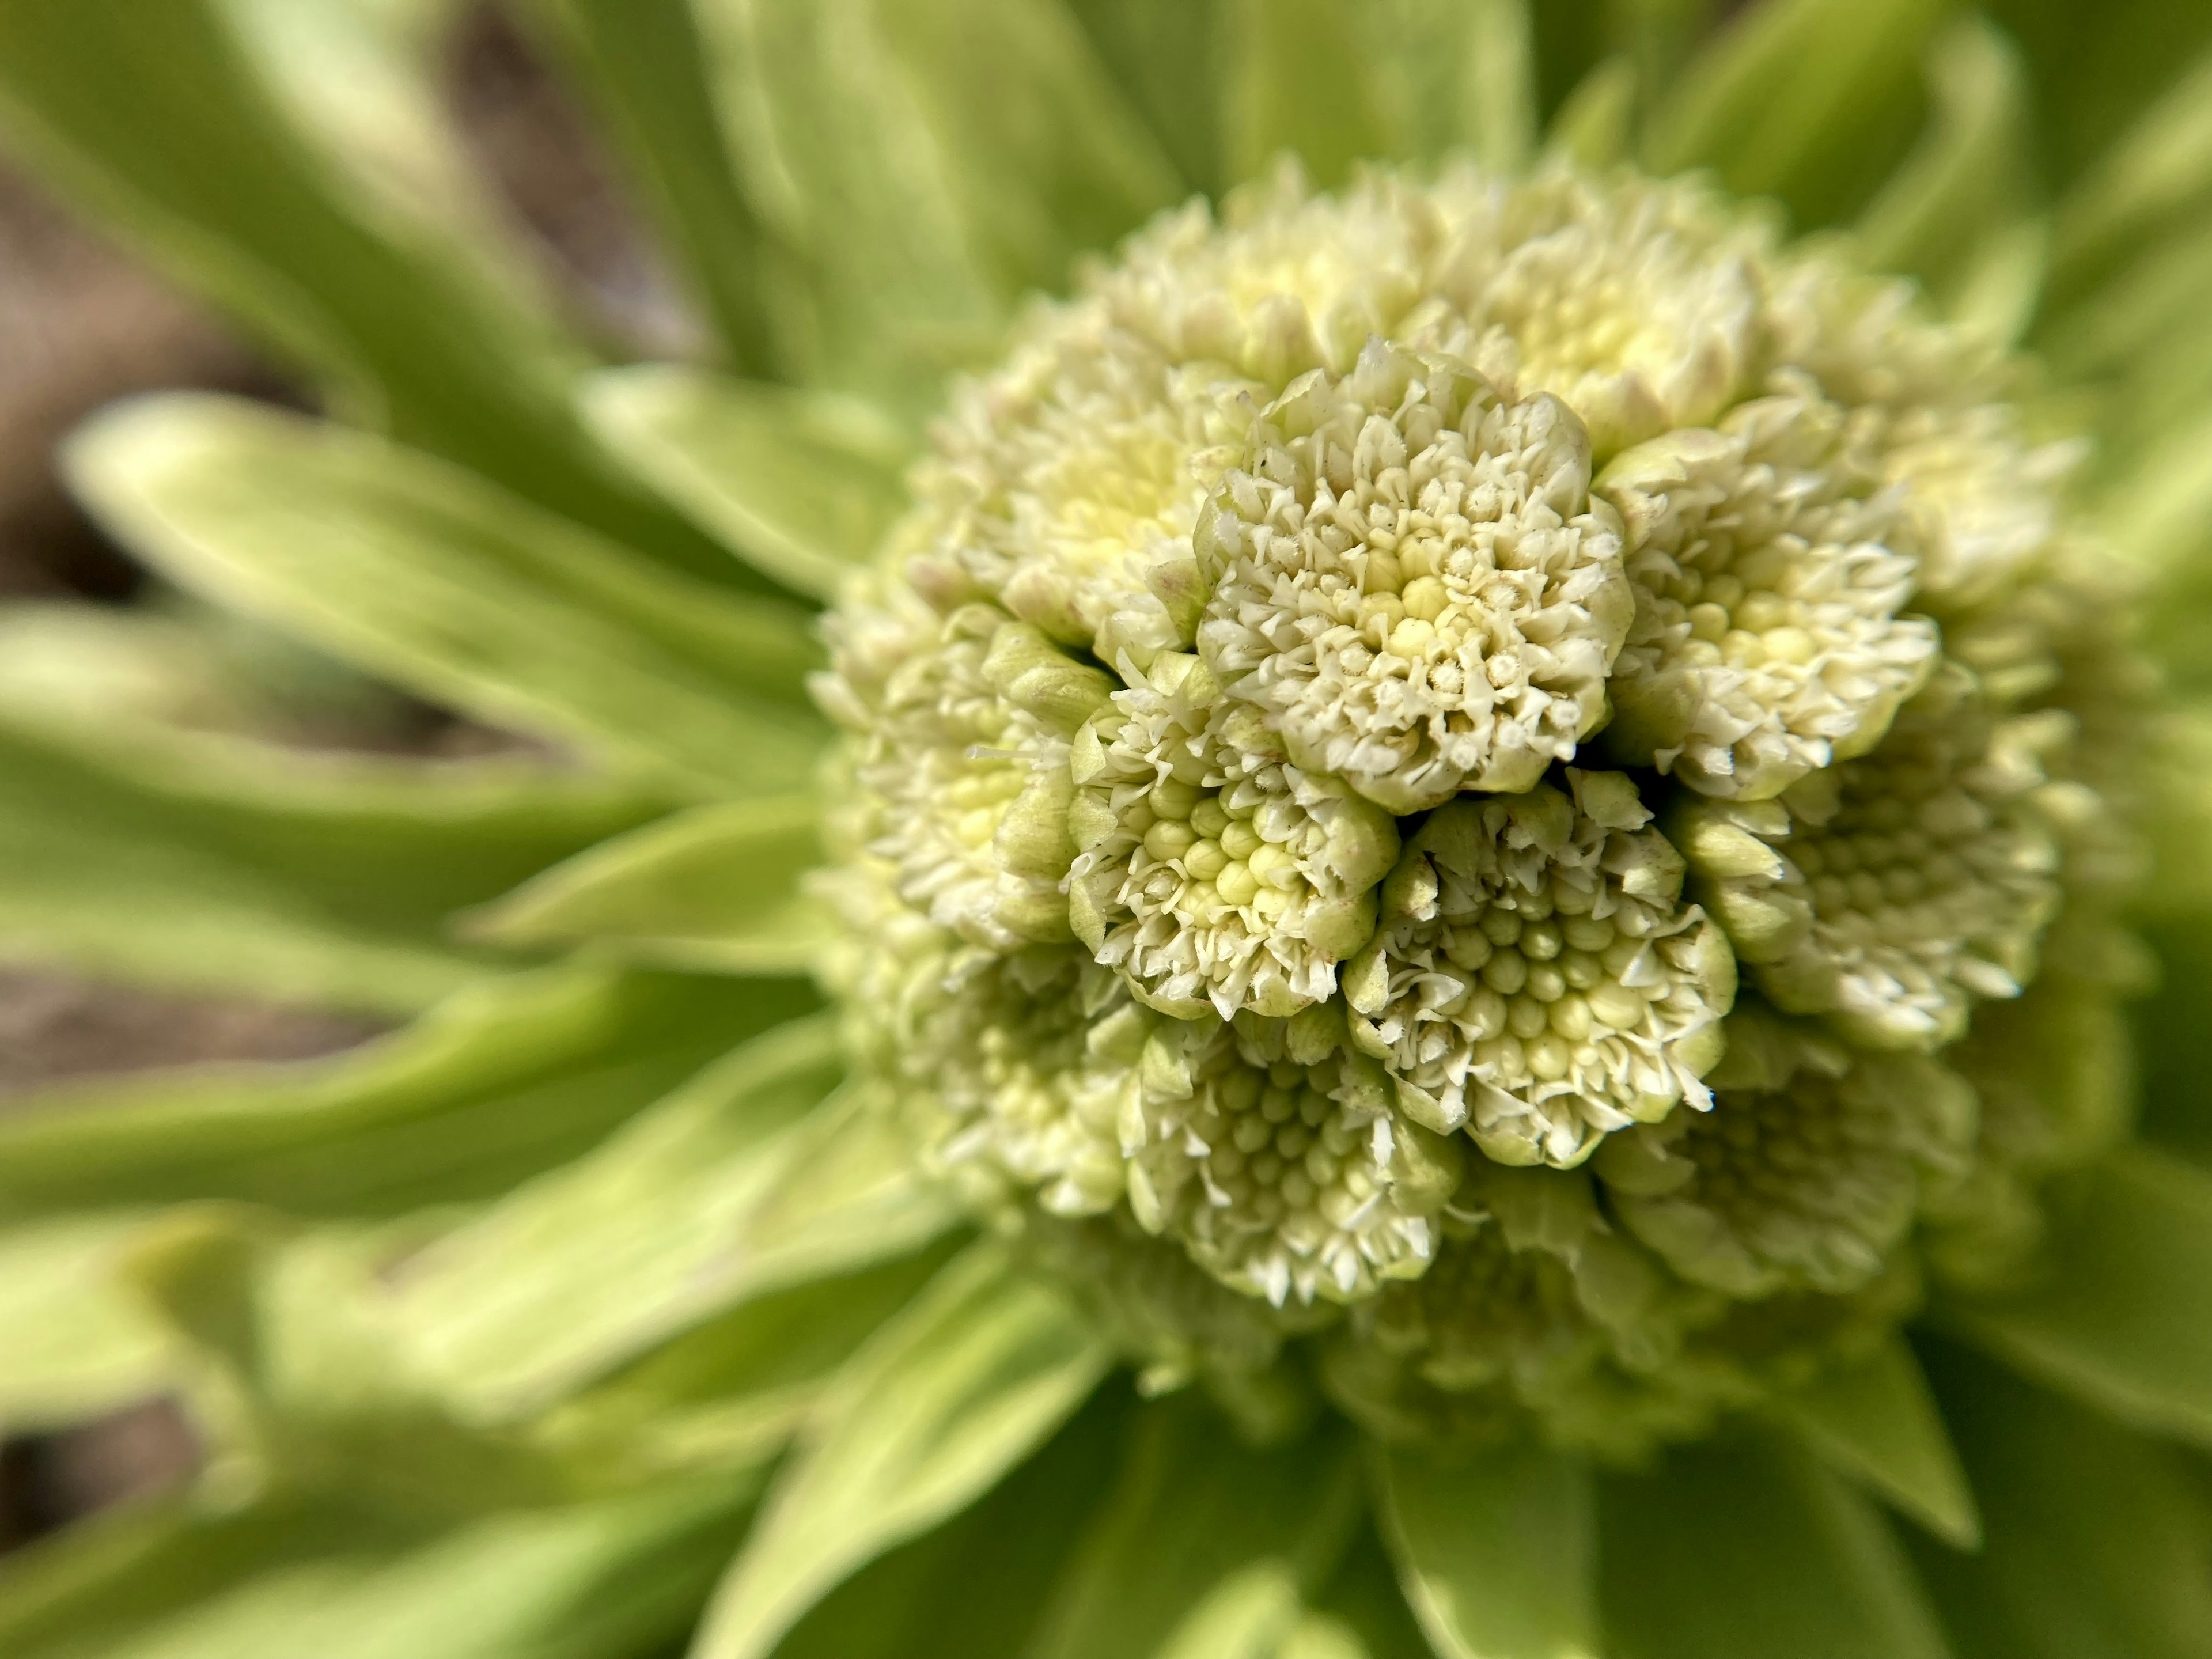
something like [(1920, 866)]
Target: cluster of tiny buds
[(1382, 703)]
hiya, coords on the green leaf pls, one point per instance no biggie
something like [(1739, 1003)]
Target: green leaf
[(2155, 181), (2096, 1541), (726, 1393), (1299, 79), (417, 571), (920, 1601), (933, 1414), (732, 1188), (1749, 1549), (179, 126), (1971, 175), (582, 1581), (1363, 1598), (134, 852), (803, 485), (2120, 1313), (642, 64), (838, 156), (1458, 76), (1197, 1515), (1876, 1422), (1805, 100), (507, 1078), (1167, 55), (1047, 158), (1595, 126), (77, 1343), (1495, 1550), (2098, 67), (714, 889)]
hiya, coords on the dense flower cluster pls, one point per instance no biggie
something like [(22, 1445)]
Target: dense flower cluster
[(1453, 775)]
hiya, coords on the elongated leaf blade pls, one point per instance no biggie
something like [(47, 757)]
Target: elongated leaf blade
[(419, 572), (642, 64), (1806, 100), (135, 853), (1876, 1422), (1497, 1552), (503, 1080), (166, 121), (1202, 1535), (1298, 80), (2121, 1314), (671, 1222), (2096, 1538), (77, 1343), (715, 890), (1749, 1549), (1168, 58), (966, 1383), (802, 485)]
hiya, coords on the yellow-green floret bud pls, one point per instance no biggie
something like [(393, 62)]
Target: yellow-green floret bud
[(1360, 683)]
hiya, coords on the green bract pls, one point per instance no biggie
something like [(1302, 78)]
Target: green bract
[(1479, 928)]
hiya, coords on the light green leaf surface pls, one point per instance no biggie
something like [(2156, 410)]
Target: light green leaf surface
[(1167, 56), (919, 1601), (1046, 160), (2154, 182), (727, 1392), (733, 1187), (76, 1342), (417, 571), (837, 153), (966, 1384), (2096, 1541), (503, 1080), (135, 853), (1596, 126), (801, 484), (2120, 1313), (1942, 214), (1749, 1549), (716, 889), (1298, 77), (163, 120), (1458, 76), (1496, 1551), (641, 63), (583, 1582), (1806, 100), (1203, 1537), (1876, 1422)]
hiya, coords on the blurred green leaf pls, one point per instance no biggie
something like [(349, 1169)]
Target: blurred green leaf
[(733, 1187), (1749, 1549), (801, 484), (1970, 177), (973, 1587), (505, 1080), (839, 158), (1595, 126), (164, 121), (1457, 75), (1047, 158), (1298, 77), (202, 862), (642, 63), (727, 1392), (1497, 1550), (2096, 1541), (77, 1343), (714, 889), (1167, 56), (961, 1387), (1876, 1422), (1196, 1515), (1810, 100), (594, 1581), (2098, 67), (2119, 1314), (2155, 181), (418, 571)]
